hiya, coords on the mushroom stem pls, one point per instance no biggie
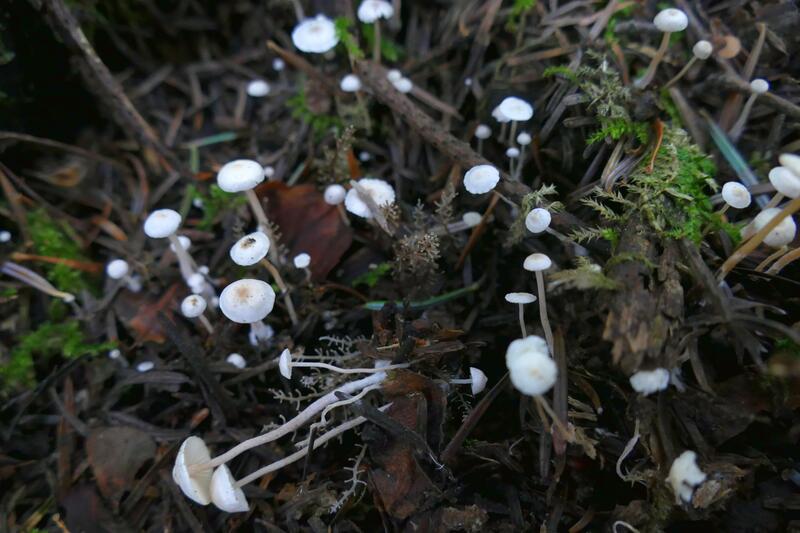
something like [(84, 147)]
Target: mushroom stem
[(682, 73), (287, 299), (723, 209), (518, 171), (341, 370), (263, 223), (548, 333), (185, 261), (781, 263), (503, 130), (513, 134), (34, 280), (299, 454), (542, 402), (480, 146), (376, 46), (738, 126), (771, 257), (298, 10), (292, 425), (775, 200), (343, 214), (522, 320), (645, 80), (207, 324)]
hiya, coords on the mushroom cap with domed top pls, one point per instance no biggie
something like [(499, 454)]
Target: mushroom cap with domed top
[(247, 300), (240, 175)]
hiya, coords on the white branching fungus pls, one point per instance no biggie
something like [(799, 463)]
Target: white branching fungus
[(258, 89), (286, 363), (379, 191), (521, 299), (481, 179), (477, 380), (247, 300), (649, 381), (538, 220), (668, 21), (315, 35), (684, 476)]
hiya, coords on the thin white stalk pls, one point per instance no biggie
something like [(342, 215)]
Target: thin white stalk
[(263, 223), (522, 320), (323, 420), (287, 299), (204, 320), (512, 137), (34, 280), (341, 370), (480, 146), (376, 48), (518, 170), (292, 425), (682, 73), (299, 454), (778, 198), (738, 126), (185, 261), (645, 80), (548, 333)]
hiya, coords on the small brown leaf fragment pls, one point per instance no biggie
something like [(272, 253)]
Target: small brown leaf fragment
[(140, 312), (116, 454)]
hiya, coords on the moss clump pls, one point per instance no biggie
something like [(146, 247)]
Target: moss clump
[(321, 124), (214, 203), (47, 341), (52, 241)]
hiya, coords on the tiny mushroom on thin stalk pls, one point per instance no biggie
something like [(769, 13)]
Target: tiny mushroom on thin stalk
[(477, 379), (516, 110), (335, 195), (237, 360), (193, 306), (735, 195), (668, 21), (379, 191), (164, 223), (700, 51), (247, 301), (482, 132), (786, 184), (481, 179), (286, 364), (538, 220), (258, 88), (647, 382), (498, 115), (684, 476), (372, 11), (523, 139), (757, 87), (302, 261), (315, 35), (521, 299), (118, 269), (469, 220), (278, 64), (350, 83), (537, 263), (512, 153), (252, 249), (782, 234)]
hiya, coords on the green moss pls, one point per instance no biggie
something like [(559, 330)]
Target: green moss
[(389, 49), (371, 277), (51, 240), (616, 128), (669, 106), (321, 124), (348, 40), (214, 203), (49, 340)]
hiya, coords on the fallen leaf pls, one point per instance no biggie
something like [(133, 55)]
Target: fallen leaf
[(307, 225), (116, 454), (86, 512), (139, 312)]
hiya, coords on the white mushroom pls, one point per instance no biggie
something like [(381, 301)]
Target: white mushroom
[(379, 191), (225, 493), (286, 363), (757, 87), (700, 51), (782, 234), (404, 85), (684, 476), (193, 306), (521, 299), (247, 300), (258, 88), (477, 379), (334, 194), (195, 485), (371, 12), (350, 83), (668, 21), (538, 220), (649, 381), (735, 195), (790, 161), (250, 249), (516, 110), (117, 269), (481, 179), (278, 64), (302, 260), (5, 236), (164, 223), (531, 369), (145, 366), (237, 360), (538, 263), (315, 35), (482, 132), (786, 184)]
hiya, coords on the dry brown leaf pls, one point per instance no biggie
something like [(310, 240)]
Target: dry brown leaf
[(116, 454), (139, 312)]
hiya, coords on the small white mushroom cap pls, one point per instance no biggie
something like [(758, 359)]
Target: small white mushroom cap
[(258, 88), (269, 171), (278, 64), (5, 236), (759, 86), (380, 191), (184, 241), (162, 223), (521, 298), (364, 156), (114, 354), (193, 306), (224, 492), (782, 234), (481, 179), (371, 10), (520, 348), (117, 269), (671, 20), (404, 85), (394, 75), (315, 35), (512, 152), (247, 300), (736, 195), (482, 131), (650, 381), (538, 220), (785, 181), (237, 360), (498, 115), (524, 138), (530, 367), (702, 50), (196, 281), (250, 249), (285, 364), (790, 161), (302, 260), (516, 109), (350, 83), (240, 175), (479, 380), (471, 218), (195, 485), (145, 366), (684, 476), (537, 262), (334, 194)]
